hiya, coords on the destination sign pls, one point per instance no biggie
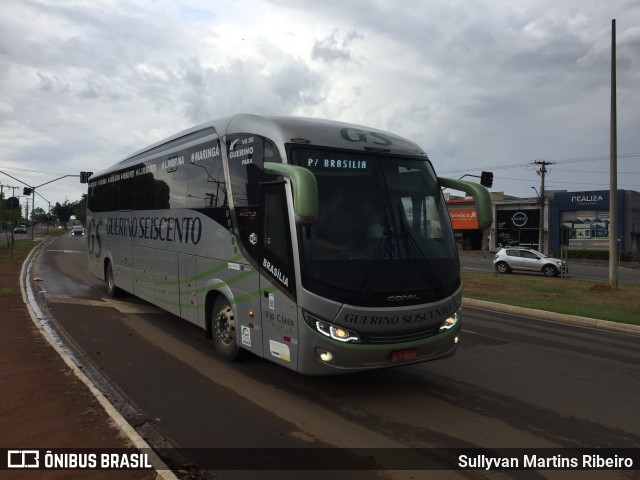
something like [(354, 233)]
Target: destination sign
[(337, 164)]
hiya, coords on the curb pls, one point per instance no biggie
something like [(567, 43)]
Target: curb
[(554, 317), (163, 472)]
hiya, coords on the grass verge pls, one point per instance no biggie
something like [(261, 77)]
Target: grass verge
[(21, 249), (560, 295)]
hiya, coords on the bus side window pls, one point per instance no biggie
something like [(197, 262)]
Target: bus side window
[(206, 187), (247, 153)]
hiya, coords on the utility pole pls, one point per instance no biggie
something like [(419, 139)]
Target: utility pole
[(542, 200), (613, 170), (32, 191)]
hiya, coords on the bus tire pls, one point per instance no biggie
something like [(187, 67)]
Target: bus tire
[(112, 290), (223, 327)]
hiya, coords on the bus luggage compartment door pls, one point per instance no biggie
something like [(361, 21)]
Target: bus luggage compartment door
[(188, 289)]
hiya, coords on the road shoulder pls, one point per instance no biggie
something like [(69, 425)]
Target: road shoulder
[(47, 401)]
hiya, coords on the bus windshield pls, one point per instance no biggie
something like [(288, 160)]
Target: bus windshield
[(383, 233)]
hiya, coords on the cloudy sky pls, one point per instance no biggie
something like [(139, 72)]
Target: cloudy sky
[(479, 84)]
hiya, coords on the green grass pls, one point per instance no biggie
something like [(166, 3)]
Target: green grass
[(572, 297), (21, 249), (9, 292)]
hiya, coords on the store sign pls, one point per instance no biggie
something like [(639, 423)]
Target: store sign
[(464, 219), (587, 199), (519, 219)]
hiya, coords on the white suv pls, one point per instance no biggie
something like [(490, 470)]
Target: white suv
[(520, 258)]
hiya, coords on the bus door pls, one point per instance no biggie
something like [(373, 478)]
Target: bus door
[(277, 281)]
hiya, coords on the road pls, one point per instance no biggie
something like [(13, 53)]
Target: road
[(577, 270), (515, 382)]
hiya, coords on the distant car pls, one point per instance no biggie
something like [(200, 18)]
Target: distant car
[(521, 258), (77, 231), (20, 229)]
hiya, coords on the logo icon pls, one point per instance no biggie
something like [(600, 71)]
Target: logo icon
[(519, 219), (23, 458)]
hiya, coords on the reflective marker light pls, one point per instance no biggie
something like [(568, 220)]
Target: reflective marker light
[(450, 322)]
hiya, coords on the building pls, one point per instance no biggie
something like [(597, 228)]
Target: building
[(464, 220), (579, 220)]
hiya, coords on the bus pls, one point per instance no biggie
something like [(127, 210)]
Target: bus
[(322, 246)]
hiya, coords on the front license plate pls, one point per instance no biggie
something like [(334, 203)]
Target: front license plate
[(404, 355)]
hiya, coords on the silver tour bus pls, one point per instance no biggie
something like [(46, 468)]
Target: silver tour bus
[(322, 246)]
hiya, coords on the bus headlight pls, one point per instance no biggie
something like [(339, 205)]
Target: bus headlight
[(450, 322), (335, 332)]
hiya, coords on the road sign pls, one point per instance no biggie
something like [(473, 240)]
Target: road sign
[(12, 203)]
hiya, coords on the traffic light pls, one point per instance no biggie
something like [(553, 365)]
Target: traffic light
[(486, 179), (27, 191), (84, 177)]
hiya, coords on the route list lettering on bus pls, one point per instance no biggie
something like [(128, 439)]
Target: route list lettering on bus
[(165, 229)]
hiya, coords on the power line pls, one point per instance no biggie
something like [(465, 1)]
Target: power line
[(30, 171), (595, 171), (528, 164)]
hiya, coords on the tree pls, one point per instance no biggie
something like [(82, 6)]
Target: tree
[(63, 212), (39, 216), (80, 209), (8, 218)]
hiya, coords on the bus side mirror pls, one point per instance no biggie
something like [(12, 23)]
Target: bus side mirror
[(305, 190), (479, 194)]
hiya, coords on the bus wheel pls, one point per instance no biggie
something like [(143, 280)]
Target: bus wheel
[(223, 324), (112, 290)]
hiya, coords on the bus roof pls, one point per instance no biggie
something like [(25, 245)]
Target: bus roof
[(282, 130)]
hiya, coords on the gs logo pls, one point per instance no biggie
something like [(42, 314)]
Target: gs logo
[(354, 135), (94, 242)]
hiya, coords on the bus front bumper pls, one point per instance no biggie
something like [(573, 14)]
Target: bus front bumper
[(326, 357)]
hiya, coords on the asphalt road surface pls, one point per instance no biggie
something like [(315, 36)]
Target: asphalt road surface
[(577, 269), (515, 382)]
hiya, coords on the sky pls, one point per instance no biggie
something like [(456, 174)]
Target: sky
[(489, 85)]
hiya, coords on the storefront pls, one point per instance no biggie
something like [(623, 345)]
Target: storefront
[(464, 220), (517, 223), (581, 220)]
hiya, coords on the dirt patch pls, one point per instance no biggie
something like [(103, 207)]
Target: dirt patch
[(43, 404)]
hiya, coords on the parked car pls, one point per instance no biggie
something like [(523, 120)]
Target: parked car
[(521, 258), (20, 229), (77, 231)]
